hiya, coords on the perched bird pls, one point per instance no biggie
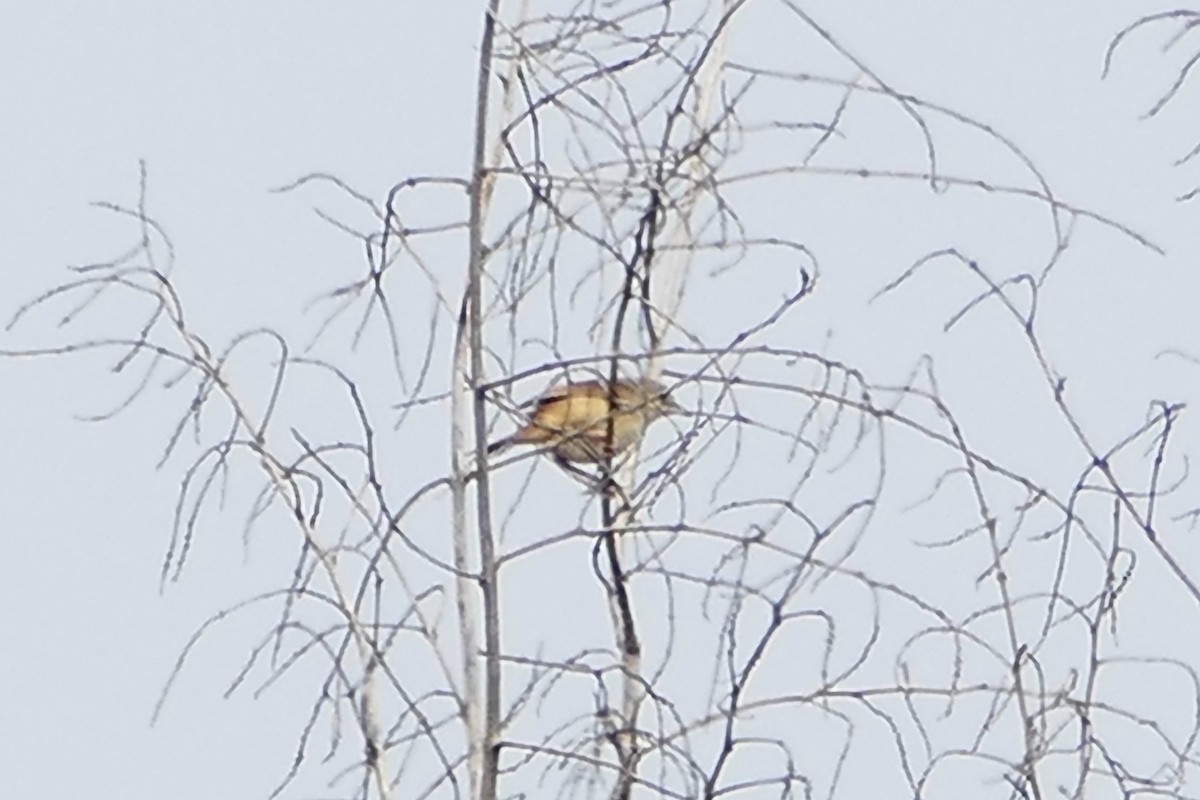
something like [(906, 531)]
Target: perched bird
[(572, 420)]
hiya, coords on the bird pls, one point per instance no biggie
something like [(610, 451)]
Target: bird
[(572, 420)]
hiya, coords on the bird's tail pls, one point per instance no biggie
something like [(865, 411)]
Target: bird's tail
[(501, 444)]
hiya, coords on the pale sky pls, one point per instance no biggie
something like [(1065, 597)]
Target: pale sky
[(227, 101)]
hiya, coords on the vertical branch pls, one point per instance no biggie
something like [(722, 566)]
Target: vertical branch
[(661, 309), (673, 281), (477, 556), (489, 746), (626, 636), (466, 557), (616, 519)]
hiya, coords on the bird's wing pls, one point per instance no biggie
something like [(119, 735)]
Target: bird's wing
[(578, 390), (548, 396), (572, 407)]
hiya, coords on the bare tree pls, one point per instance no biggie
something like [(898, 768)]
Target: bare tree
[(817, 582), (1177, 24)]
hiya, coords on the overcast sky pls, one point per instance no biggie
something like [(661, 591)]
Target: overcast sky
[(225, 101)]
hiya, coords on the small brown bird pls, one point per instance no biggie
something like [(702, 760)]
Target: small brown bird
[(572, 420)]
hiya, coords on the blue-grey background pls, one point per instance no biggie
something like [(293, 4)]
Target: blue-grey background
[(225, 101)]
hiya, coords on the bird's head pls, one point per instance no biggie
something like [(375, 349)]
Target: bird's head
[(657, 398)]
